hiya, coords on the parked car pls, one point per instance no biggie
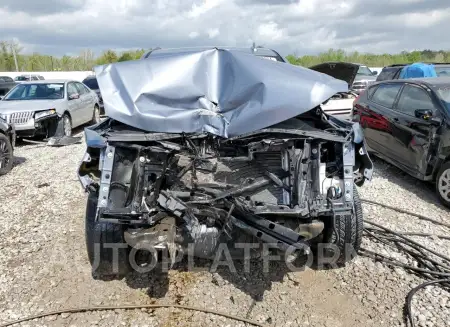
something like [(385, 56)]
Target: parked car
[(406, 122), (49, 107), (358, 82), (393, 71), (6, 84), (91, 82), (29, 77), (341, 104), (7, 143), (221, 150)]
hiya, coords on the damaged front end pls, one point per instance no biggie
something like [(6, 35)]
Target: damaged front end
[(284, 184), (222, 152)]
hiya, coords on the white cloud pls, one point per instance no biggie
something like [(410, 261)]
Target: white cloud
[(213, 32), (307, 26)]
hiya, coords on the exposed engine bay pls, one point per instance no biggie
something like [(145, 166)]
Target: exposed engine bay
[(283, 184), (212, 147)]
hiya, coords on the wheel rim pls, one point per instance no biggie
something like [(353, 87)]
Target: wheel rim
[(444, 185), (4, 154), (67, 126)]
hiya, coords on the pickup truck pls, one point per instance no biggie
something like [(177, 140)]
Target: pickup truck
[(6, 84)]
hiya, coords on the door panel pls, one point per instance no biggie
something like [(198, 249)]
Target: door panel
[(411, 133), (377, 117), (74, 105)]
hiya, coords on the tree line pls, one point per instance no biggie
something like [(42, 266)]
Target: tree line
[(11, 53)]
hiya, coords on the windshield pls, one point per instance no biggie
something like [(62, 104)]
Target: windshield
[(91, 83), (363, 70), (39, 91)]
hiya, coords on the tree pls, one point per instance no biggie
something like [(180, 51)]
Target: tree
[(126, 56), (107, 57)]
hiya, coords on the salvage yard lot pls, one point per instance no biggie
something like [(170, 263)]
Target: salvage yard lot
[(44, 266)]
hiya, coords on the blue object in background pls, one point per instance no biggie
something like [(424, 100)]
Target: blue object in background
[(418, 69)]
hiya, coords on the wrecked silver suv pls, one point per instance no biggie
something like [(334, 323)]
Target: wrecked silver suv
[(211, 147)]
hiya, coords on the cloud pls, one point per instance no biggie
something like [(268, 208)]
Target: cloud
[(307, 26), (42, 7)]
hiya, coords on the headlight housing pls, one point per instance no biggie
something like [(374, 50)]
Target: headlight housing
[(44, 113)]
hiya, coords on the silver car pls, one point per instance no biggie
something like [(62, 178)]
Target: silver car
[(49, 107)]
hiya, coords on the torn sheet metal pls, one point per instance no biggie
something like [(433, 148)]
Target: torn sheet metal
[(223, 92)]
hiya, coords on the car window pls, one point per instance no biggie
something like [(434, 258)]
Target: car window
[(365, 71), (71, 89), (385, 94), (6, 79), (442, 71), (371, 91), (387, 74), (80, 88), (412, 98), (91, 83), (38, 91)]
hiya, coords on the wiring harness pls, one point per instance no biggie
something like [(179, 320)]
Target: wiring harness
[(431, 265)]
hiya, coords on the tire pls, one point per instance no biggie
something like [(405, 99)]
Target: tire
[(443, 184), (96, 115), (346, 236), (97, 235), (6, 154), (67, 125)]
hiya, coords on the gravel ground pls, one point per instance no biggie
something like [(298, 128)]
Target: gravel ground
[(43, 263)]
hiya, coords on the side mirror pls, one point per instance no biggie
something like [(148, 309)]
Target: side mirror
[(424, 114), (427, 115), (74, 96)]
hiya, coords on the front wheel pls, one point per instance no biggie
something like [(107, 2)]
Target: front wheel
[(344, 240), (443, 184), (67, 125), (6, 155), (106, 247), (96, 115)]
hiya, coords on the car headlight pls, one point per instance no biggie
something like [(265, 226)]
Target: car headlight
[(40, 114)]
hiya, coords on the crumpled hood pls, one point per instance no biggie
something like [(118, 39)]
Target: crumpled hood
[(8, 107), (344, 71), (223, 92)]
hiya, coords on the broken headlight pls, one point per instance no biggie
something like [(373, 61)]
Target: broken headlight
[(45, 113)]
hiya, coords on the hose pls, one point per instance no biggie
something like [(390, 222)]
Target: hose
[(412, 248), (131, 307), (422, 217), (414, 291)]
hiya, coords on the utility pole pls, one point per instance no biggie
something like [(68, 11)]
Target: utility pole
[(13, 49)]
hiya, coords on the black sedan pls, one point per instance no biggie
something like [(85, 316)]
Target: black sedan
[(407, 123)]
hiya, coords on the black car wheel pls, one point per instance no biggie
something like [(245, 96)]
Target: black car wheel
[(6, 154), (344, 240), (102, 240), (443, 184)]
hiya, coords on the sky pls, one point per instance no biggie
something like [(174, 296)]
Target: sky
[(59, 27)]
